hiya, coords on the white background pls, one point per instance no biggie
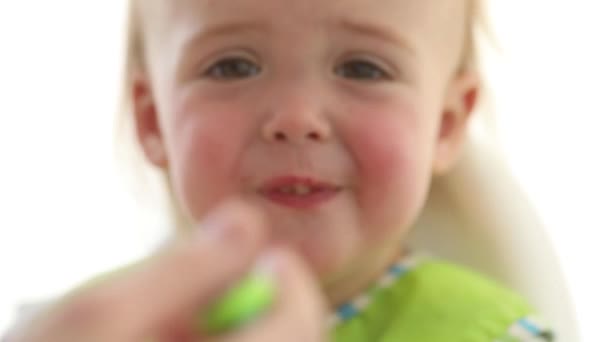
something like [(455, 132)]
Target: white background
[(65, 215)]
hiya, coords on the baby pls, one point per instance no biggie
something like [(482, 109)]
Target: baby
[(326, 121)]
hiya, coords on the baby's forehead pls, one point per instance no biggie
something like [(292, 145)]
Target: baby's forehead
[(415, 15), (442, 21)]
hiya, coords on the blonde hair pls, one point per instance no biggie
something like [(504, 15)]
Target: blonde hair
[(128, 151)]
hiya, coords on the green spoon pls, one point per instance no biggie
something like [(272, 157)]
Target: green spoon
[(239, 305)]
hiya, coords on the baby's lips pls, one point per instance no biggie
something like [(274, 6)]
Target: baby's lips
[(277, 183)]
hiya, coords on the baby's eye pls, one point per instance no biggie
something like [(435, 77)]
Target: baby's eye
[(232, 68), (363, 70)]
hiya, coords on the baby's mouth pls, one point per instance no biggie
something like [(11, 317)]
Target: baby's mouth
[(299, 192)]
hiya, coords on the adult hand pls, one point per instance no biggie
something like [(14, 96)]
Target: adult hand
[(159, 299)]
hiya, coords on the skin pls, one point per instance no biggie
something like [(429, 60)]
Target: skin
[(156, 300), (379, 135), (377, 112)]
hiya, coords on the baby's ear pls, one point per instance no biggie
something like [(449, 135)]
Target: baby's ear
[(147, 121), (460, 100)]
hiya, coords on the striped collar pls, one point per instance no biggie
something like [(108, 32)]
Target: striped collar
[(358, 304)]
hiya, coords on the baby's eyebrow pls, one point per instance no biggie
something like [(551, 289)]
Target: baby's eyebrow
[(229, 28), (203, 34), (225, 29), (376, 32), (361, 28)]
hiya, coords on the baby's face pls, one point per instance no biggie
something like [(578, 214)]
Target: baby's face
[(329, 116)]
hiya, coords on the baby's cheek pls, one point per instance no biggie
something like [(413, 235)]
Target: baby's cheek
[(391, 173), (382, 150), (205, 154)]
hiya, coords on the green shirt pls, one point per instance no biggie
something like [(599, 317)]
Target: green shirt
[(437, 301)]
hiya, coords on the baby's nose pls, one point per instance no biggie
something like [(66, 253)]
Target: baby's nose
[(301, 124), (285, 136)]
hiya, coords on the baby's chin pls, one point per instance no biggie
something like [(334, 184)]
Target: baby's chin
[(324, 257)]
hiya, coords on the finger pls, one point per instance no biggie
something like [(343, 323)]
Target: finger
[(184, 277), (299, 310)]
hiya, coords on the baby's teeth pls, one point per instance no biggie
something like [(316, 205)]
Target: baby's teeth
[(301, 189), (297, 189)]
